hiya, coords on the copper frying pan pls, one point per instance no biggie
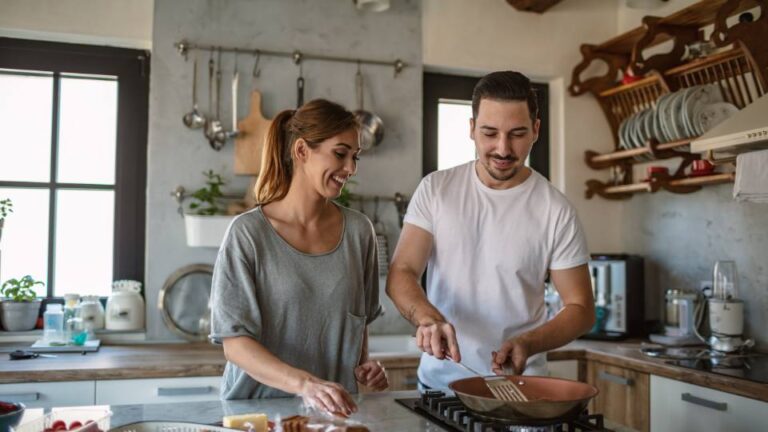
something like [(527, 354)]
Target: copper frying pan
[(548, 398)]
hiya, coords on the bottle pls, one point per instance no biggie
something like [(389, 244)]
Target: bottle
[(53, 324), (70, 303)]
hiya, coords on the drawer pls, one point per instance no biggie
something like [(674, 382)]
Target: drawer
[(160, 390), (623, 397), (566, 369), (50, 394), (681, 407)]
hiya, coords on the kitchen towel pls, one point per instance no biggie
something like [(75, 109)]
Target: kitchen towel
[(751, 177)]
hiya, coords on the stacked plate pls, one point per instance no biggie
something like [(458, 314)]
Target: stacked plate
[(686, 113)]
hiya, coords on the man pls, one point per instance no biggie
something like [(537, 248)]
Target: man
[(491, 230)]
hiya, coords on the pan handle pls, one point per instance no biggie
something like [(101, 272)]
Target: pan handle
[(616, 379)]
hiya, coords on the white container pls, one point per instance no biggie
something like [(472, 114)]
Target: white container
[(125, 307), (206, 231), (53, 323), (92, 313)]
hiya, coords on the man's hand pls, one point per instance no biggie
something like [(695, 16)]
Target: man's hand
[(438, 338), (372, 375), (513, 352)]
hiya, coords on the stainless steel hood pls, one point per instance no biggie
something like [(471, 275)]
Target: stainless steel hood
[(746, 130)]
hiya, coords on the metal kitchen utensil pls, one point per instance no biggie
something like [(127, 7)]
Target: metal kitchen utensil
[(168, 426), (371, 126), (501, 387), (214, 130), (382, 245), (194, 119), (548, 398), (184, 301), (299, 91), (234, 133)]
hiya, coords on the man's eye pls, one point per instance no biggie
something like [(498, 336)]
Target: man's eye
[(518, 135), (490, 135)]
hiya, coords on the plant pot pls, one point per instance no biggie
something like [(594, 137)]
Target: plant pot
[(19, 316), (206, 231)]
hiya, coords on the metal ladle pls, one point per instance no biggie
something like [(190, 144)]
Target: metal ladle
[(193, 119), (214, 130)]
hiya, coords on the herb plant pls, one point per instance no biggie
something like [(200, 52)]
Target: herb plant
[(207, 199), (20, 290)]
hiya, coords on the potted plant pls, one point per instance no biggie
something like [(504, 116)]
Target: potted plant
[(206, 221), (6, 208), (20, 306)]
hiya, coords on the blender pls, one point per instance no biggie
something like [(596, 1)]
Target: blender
[(726, 311)]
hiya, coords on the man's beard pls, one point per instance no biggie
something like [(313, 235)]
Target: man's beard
[(500, 176)]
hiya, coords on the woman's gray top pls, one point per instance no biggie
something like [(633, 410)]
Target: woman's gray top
[(308, 310)]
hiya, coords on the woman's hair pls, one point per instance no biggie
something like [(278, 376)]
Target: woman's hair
[(315, 121)]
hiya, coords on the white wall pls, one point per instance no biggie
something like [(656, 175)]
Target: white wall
[(489, 35), (121, 23)]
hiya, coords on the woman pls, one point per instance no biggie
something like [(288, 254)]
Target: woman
[(296, 281)]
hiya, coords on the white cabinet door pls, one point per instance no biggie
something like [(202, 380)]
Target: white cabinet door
[(160, 390), (567, 369), (49, 394), (681, 407)]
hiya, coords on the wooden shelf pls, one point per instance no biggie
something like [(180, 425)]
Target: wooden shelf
[(696, 15), (605, 160), (682, 185)]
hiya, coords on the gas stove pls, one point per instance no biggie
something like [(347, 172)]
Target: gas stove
[(750, 366), (451, 414)]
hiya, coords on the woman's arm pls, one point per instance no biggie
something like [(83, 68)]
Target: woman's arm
[(264, 367)]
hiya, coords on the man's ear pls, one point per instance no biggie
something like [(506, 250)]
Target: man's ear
[(301, 150), (536, 128), (471, 128)]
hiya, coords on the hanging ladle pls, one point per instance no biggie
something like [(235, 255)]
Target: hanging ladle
[(214, 130), (193, 119)]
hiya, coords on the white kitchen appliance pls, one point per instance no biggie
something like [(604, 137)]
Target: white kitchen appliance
[(125, 306), (726, 312), (680, 319)]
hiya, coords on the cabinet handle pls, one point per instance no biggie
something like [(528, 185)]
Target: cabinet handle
[(20, 397), (719, 406), (183, 391), (616, 379), (411, 381)]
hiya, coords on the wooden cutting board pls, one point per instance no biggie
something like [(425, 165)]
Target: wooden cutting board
[(250, 142)]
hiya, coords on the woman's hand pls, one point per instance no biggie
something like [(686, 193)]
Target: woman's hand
[(372, 375), (327, 395)]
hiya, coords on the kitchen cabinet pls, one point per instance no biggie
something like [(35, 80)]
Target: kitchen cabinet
[(566, 369), (45, 395), (401, 372), (624, 394), (681, 407), (159, 390)]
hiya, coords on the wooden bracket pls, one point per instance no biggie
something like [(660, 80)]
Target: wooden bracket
[(681, 35), (687, 157), (590, 53), (663, 181), (751, 34), (596, 187)]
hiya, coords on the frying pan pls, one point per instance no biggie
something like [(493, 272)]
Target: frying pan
[(548, 398)]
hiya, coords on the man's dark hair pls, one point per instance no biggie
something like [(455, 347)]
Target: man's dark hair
[(505, 86)]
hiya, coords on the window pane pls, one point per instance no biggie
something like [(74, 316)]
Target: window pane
[(25, 119), (454, 147), (84, 238), (87, 130), (24, 242)]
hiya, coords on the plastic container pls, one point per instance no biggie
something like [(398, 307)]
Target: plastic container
[(53, 323), (98, 418)]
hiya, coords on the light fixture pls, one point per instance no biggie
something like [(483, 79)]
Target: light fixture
[(372, 5)]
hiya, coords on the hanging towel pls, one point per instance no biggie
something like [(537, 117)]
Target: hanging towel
[(751, 177)]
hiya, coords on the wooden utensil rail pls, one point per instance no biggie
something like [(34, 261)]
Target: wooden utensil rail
[(739, 73)]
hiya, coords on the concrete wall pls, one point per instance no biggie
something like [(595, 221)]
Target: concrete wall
[(491, 35), (177, 155), (106, 22)]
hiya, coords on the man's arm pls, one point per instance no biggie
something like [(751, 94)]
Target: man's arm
[(575, 318), (433, 334)]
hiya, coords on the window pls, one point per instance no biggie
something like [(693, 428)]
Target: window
[(73, 161), (447, 110)]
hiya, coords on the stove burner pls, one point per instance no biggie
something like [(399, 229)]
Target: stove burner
[(451, 414)]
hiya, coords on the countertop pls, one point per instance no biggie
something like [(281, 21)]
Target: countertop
[(187, 360)]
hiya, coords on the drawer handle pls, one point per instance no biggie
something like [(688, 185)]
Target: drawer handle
[(183, 391), (719, 406), (411, 381), (616, 379), (20, 397)]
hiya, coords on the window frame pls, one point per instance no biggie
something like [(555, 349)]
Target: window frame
[(131, 67), (439, 86)]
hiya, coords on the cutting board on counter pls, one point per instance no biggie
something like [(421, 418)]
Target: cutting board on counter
[(250, 142)]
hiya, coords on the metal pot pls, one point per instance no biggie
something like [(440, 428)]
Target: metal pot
[(371, 126), (548, 398), (19, 316)]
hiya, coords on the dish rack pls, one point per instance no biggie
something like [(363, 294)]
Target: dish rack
[(168, 426), (99, 417)]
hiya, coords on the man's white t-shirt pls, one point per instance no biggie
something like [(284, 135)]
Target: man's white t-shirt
[(491, 253)]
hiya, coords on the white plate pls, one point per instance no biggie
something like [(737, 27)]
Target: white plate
[(709, 94), (712, 114), (675, 114), (623, 144), (663, 137)]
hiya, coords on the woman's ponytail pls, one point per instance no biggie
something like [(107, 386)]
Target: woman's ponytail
[(276, 165)]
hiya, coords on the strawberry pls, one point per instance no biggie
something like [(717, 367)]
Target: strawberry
[(59, 425), (74, 425)]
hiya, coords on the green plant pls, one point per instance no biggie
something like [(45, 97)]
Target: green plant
[(207, 198), (6, 208), (20, 290), (345, 196)]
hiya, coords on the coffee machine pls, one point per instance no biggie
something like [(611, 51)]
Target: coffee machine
[(618, 287)]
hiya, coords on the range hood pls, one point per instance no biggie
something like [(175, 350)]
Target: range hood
[(745, 130)]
